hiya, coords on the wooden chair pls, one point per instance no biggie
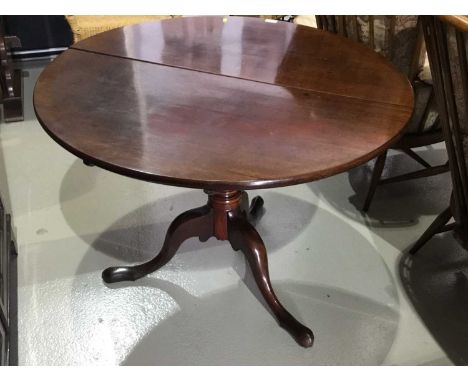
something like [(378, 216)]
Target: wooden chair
[(400, 39), (446, 40)]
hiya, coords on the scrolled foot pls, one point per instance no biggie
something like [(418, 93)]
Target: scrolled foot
[(192, 223), (256, 210), (244, 237), (302, 334), (253, 211), (117, 274), (204, 236)]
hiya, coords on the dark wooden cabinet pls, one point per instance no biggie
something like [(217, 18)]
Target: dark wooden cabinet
[(8, 292)]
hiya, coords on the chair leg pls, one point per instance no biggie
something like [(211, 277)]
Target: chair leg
[(376, 174), (437, 226), (424, 173), (416, 157)]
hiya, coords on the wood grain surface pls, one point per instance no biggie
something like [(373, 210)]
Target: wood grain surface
[(222, 103)]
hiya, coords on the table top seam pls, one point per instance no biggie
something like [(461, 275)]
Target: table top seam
[(239, 78)]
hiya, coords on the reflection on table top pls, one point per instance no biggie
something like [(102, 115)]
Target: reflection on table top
[(222, 103)]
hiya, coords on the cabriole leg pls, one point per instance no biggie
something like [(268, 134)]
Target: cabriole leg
[(244, 237), (192, 223)]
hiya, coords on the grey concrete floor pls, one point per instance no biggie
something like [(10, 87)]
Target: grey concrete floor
[(436, 280), (334, 268)]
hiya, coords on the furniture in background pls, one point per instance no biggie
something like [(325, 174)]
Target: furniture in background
[(41, 36), (399, 39), (307, 20), (87, 26), (11, 98), (8, 292), (196, 112), (25, 38), (11, 84), (21, 38), (446, 41)]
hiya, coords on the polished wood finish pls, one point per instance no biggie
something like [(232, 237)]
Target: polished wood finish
[(225, 217), (178, 126), (193, 223), (225, 105), (244, 237), (249, 48)]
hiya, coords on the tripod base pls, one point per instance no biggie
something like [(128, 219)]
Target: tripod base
[(226, 216)]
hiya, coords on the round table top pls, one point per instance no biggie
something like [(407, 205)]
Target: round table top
[(222, 102)]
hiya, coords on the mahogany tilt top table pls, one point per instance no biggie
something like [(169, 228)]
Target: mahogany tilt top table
[(224, 104)]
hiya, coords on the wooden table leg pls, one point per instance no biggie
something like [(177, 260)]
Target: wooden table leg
[(192, 223), (226, 216), (244, 237)]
